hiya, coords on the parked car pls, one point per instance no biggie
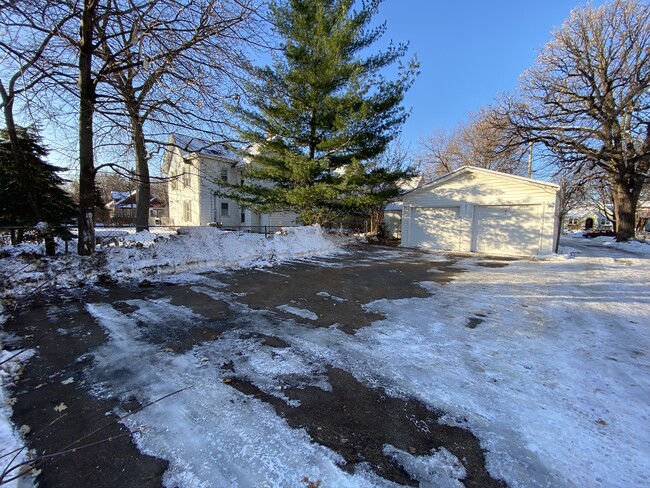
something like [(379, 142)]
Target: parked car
[(590, 234)]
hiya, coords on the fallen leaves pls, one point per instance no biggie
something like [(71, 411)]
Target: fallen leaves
[(24, 430), (68, 381), (311, 484), (60, 407)]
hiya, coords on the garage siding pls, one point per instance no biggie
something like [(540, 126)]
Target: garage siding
[(495, 214)]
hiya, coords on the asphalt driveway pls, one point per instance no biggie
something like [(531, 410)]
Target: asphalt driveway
[(352, 417)]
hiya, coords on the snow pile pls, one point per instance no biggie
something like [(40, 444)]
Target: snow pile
[(12, 451), (635, 246), (149, 255), (201, 249)]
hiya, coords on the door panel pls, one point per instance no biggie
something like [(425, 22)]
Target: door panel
[(435, 228), (506, 229)]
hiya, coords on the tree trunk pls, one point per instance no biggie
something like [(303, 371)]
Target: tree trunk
[(143, 189), (626, 197), (558, 232), (86, 217), (376, 217)]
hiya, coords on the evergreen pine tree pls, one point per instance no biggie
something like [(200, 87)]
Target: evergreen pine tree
[(31, 189), (321, 110)]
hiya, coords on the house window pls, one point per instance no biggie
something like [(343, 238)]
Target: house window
[(224, 208), (224, 174), (243, 217), (187, 211), (186, 179), (174, 180)]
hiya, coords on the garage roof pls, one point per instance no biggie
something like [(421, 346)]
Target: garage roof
[(473, 169)]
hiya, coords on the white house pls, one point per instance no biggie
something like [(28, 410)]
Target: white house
[(195, 168), (587, 218), (479, 210)]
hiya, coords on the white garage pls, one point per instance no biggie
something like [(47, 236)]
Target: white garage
[(484, 211)]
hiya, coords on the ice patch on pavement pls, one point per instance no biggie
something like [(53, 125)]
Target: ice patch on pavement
[(299, 312), (332, 297), (211, 433), (441, 469)]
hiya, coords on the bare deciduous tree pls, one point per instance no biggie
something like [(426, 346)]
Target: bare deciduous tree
[(587, 100), (482, 141), (388, 175), (173, 64), (29, 33)]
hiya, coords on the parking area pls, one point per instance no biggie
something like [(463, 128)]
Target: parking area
[(352, 418), (374, 367)]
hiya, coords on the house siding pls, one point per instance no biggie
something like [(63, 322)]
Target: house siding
[(472, 192), (183, 191), (201, 193)]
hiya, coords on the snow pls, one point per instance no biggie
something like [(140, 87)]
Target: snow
[(161, 256), (553, 378), (12, 451), (154, 256), (440, 470), (300, 312)]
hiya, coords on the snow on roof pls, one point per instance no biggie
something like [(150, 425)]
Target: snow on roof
[(188, 144), (126, 199), (394, 206), (193, 145), (117, 196)]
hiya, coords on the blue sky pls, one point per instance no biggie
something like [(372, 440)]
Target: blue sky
[(470, 51)]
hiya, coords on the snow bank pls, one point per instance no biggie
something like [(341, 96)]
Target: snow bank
[(11, 444), (634, 246), (201, 249), (149, 255)]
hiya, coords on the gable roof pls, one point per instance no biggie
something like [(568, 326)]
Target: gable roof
[(464, 170), (193, 145), (128, 200), (117, 196), (188, 144)]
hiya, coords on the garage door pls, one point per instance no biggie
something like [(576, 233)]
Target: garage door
[(507, 230), (435, 228)]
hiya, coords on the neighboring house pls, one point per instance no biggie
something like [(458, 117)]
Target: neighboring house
[(393, 220), (123, 205), (196, 168), (586, 218), (479, 210)]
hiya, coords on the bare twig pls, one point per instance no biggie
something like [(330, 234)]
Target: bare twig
[(38, 460)]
